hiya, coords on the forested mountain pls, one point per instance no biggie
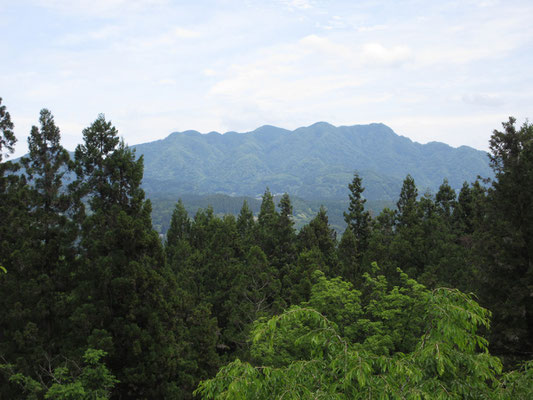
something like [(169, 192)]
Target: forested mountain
[(94, 305), (315, 162)]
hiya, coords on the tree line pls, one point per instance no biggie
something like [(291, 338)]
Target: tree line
[(95, 305)]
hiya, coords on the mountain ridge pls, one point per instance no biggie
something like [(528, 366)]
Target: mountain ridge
[(317, 161)]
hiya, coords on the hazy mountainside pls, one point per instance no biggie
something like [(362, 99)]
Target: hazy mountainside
[(304, 210), (315, 162)]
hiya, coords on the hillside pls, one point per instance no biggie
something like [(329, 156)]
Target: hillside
[(314, 162)]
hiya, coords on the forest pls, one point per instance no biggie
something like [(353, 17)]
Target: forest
[(430, 300)]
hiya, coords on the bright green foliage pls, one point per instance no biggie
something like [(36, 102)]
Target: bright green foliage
[(92, 381), (306, 354)]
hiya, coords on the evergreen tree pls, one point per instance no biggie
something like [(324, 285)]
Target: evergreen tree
[(245, 224), (177, 247), (407, 247), (509, 278), (407, 210), (37, 290), (127, 297), (357, 218), (349, 258), (267, 224), (286, 253), (445, 200), (7, 136)]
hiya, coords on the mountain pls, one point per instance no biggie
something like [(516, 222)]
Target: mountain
[(314, 162)]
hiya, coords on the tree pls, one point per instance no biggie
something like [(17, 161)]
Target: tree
[(407, 202), (508, 250), (70, 381), (328, 349), (7, 136), (357, 218), (41, 261), (127, 297), (320, 237), (177, 247), (267, 223), (445, 201)]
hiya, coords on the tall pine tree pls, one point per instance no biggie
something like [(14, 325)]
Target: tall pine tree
[(128, 303)]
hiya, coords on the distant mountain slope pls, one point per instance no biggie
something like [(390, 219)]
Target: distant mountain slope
[(315, 162)]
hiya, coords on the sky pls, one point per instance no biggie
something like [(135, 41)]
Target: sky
[(448, 71)]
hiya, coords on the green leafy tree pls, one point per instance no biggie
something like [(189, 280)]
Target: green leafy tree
[(309, 354), (70, 381)]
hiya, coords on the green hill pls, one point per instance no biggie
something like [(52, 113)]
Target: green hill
[(313, 163)]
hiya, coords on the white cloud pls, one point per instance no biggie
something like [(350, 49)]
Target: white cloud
[(167, 81), (104, 33), (297, 4), (99, 8), (482, 99), (377, 54)]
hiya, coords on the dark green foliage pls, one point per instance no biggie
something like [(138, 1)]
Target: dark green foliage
[(126, 294), (407, 209), (38, 251), (319, 236), (81, 268), (177, 247), (357, 218), (508, 276), (7, 136)]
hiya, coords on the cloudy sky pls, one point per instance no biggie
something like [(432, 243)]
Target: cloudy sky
[(447, 71)]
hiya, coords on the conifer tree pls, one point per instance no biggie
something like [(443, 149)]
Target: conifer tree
[(7, 136), (357, 218), (408, 244), (509, 255), (177, 247), (285, 254), (39, 284), (406, 204), (127, 297), (349, 258), (267, 223), (319, 236), (245, 226)]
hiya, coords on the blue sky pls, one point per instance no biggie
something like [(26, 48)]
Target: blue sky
[(447, 71)]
